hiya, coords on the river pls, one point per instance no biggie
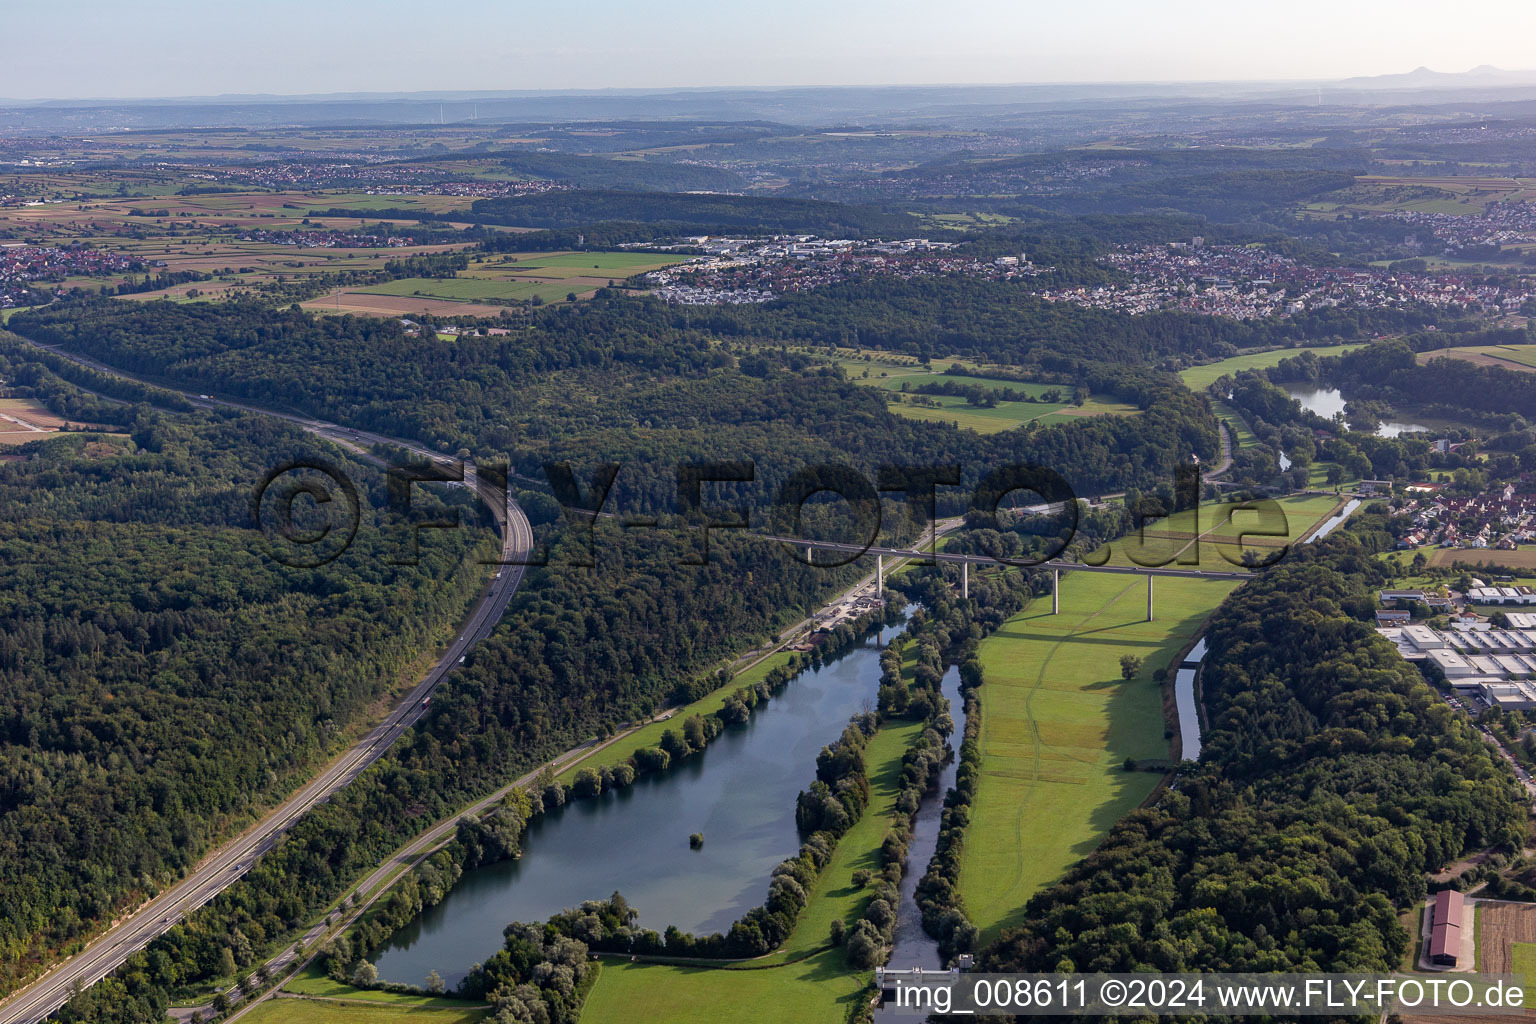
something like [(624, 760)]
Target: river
[(1327, 402), (740, 793), (913, 947)]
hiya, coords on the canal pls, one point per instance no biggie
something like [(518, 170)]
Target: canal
[(740, 793)]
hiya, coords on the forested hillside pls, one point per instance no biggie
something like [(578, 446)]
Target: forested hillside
[(618, 381), (1332, 780), (161, 677)]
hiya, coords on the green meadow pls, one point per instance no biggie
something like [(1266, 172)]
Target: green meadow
[(306, 1010), (1198, 378), (1059, 722)]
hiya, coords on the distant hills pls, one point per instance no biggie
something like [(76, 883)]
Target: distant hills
[(1482, 76), (896, 104)]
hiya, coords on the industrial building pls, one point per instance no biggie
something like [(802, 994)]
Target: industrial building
[(1501, 595), (1497, 665)]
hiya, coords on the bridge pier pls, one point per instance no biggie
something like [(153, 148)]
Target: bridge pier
[(1149, 597), (1055, 591), (880, 578), (808, 552), (965, 579)]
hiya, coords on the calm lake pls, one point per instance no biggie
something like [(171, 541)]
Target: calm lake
[(1326, 402), (740, 793)]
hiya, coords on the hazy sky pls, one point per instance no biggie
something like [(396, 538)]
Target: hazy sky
[(83, 48)]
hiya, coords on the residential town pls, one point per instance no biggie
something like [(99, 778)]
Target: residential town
[(1247, 283), (25, 270), (746, 270), (1501, 519), (1506, 223), (325, 239)]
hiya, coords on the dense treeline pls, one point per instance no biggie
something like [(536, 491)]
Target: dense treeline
[(1390, 372), (1332, 780), (162, 678), (690, 398), (1001, 322), (579, 651), (72, 390)]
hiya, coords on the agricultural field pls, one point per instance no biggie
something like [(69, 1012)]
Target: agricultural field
[(1509, 357), (1520, 558), (818, 990), (1506, 936), (547, 277), (1007, 415), (1373, 193), (1198, 378), (1223, 531), (110, 219), (1058, 721), (24, 419)]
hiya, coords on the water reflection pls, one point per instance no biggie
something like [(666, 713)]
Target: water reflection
[(740, 793), (1328, 402)]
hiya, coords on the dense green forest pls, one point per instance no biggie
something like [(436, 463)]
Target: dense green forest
[(1331, 781), (616, 381), (162, 678)]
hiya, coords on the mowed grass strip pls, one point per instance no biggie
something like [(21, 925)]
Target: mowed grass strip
[(836, 897), (818, 990), (1058, 723), (297, 1010), (1006, 415), (314, 982)]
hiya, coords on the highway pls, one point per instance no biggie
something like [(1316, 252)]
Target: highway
[(230, 861)]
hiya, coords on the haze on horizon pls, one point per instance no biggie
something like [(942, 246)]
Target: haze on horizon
[(74, 49)]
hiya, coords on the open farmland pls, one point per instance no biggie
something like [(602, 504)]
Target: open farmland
[(547, 277), (23, 420), (1373, 193), (1520, 558), (1509, 357), (1007, 415), (1501, 928), (1048, 403)]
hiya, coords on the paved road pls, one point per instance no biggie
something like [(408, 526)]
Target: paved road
[(232, 860), (1226, 454), (378, 884)]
